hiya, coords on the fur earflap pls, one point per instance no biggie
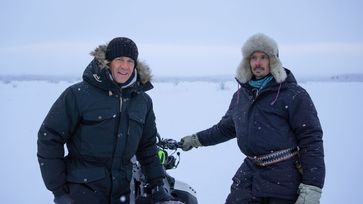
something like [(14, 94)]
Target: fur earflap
[(263, 43), (142, 68)]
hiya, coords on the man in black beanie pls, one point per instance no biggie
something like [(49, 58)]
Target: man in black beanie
[(104, 120)]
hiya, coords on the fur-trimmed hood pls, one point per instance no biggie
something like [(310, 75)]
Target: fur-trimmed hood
[(143, 70), (260, 42), (98, 74)]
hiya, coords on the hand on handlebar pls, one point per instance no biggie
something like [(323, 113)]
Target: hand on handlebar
[(190, 141)]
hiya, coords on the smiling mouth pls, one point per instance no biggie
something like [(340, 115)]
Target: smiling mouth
[(123, 73)]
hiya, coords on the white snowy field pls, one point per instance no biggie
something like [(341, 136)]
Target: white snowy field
[(184, 108)]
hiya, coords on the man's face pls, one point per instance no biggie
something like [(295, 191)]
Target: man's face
[(260, 64), (121, 69)]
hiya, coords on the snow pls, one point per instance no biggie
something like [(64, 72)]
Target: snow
[(183, 108)]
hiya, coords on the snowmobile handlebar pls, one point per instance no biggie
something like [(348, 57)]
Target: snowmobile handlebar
[(169, 160), (169, 144)]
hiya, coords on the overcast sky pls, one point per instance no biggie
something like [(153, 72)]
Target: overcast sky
[(181, 38)]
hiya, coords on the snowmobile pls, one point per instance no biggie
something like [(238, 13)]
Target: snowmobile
[(169, 157)]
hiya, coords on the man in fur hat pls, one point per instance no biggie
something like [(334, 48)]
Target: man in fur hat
[(104, 120), (277, 128)]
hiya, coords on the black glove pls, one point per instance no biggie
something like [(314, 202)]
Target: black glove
[(63, 199), (159, 194)]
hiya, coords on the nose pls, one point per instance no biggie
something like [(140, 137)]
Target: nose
[(123, 64)]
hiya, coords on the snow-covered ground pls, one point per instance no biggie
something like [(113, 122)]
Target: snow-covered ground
[(184, 108)]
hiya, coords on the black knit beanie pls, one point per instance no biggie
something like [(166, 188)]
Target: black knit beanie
[(121, 47)]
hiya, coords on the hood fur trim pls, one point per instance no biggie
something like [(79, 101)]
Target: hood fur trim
[(142, 68), (260, 42)]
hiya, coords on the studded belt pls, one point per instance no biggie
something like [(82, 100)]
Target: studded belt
[(274, 157)]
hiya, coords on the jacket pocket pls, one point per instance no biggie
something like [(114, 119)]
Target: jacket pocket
[(86, 175), (97, 133), (91, 180), (134, 132)]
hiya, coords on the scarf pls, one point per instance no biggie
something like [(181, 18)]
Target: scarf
[(130, 81), (259, 84)]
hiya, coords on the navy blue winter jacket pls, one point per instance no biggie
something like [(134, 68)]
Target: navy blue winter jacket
[(281, 116)]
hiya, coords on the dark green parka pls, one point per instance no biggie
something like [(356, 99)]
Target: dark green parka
[(103, 126)]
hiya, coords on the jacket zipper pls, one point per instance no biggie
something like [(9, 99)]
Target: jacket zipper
[(252, 103), (126, 133), (120, 104), (117, 126)]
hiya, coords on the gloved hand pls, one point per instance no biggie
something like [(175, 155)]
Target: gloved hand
[(159, 195), (190, 141), (308, 194), (63, 199)]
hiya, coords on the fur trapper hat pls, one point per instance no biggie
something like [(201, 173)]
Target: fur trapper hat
[(263, 43)]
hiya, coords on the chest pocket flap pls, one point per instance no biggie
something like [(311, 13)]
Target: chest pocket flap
[(137, 117), (98, 115), (97, 133)]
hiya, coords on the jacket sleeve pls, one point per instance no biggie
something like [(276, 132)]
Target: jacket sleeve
[(57, 127), (147, 150), (223, 131), (306, 126)]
